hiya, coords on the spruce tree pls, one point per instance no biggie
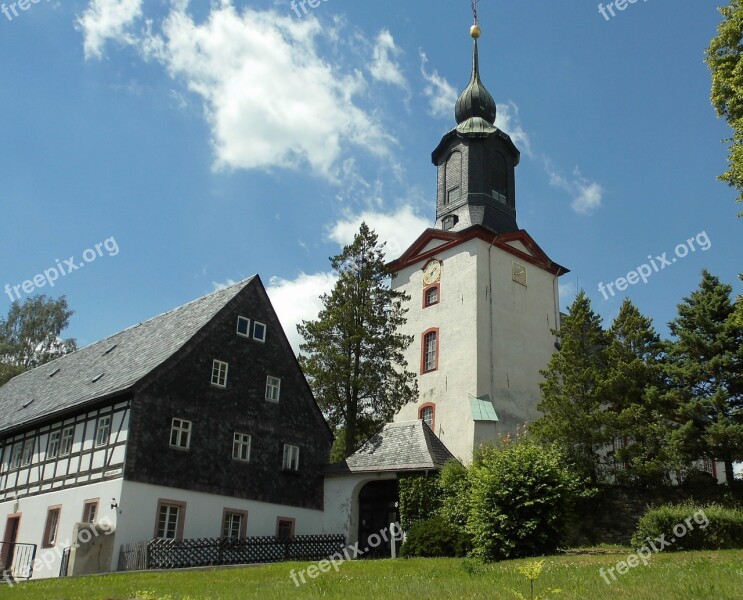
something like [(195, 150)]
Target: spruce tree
[(572, 391), (353, 354), (705, 371)]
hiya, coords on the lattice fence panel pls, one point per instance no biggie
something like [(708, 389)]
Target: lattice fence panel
[(171, 554)]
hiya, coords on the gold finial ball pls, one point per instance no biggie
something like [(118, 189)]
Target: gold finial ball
[(475, 31)]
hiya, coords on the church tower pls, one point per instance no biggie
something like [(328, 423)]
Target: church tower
[(484, 295)]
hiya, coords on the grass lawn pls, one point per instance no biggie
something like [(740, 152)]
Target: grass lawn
[(669, 576)]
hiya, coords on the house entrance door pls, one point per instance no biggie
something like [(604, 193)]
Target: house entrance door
[(378, 508)]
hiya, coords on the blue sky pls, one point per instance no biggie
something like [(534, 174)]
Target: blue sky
[(212, 142)]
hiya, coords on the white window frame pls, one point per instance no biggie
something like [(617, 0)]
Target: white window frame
[(291, 458), (66, 440), (17, 452), (228, 525), (241, 319), (27, 455), (103, 431), (220, 369), (265, 331), (273, 388), (241, 444), (55, 437), (171, 510), (430, 361), (181, 428)]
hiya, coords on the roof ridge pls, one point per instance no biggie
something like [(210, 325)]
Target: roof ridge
[(242, 283)]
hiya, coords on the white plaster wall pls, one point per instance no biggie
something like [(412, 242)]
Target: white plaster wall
[(517, 342), (342, 502), (138, 513), (456, 318), (33, 512)]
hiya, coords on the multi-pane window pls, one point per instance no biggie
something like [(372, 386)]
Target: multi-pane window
[(219, 373), (232, 526), (291, 458), (180, 434), (52, 525), (426, 415), (430, 351), (432, 296), (273, 388), (53, 448), (167, 521), (28, 453), (243, 326), (259, 331), (103, 431), (65, 444), (90, 511), (241, 447), (17, 452)]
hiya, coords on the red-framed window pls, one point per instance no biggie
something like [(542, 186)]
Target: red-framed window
[(427, 414), (431, 295), (430, 350)]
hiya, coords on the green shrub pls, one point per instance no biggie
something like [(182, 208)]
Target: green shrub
[(692, 527), (455, 493), (520, 495), (435, 537), (420, 497)]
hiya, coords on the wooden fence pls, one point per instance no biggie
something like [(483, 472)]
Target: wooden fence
[(175, 554)]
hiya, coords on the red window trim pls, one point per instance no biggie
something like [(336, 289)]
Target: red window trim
[(425, 295), (435, 330), (433, 419)]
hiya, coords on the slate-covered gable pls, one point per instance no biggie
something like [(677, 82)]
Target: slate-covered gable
[(182, 389)]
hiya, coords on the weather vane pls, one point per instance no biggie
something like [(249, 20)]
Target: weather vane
[(475, 29)]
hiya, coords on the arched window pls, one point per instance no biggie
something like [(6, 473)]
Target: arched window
[(427, 414), (430, 351)]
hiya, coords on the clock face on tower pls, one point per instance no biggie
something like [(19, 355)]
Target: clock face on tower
[(432, 272)]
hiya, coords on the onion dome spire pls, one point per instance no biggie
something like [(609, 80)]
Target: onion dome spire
[(475, 100)]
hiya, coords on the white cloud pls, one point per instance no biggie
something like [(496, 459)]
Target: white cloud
[(298, 300), (507, 119), (399, 229), (587, 195), (105, 20), (269, 97), (384, 68), (442, 96)]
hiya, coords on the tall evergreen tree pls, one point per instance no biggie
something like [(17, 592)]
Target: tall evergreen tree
[(352, 354), (30, 335), (705, 370), (572, 391), (632, 391)]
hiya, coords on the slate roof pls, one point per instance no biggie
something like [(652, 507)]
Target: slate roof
[(108, 367), (407, 446)]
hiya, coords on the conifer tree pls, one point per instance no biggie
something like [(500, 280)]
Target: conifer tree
[(633, 386), (353, 354), (705, 371), (572, 392)]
